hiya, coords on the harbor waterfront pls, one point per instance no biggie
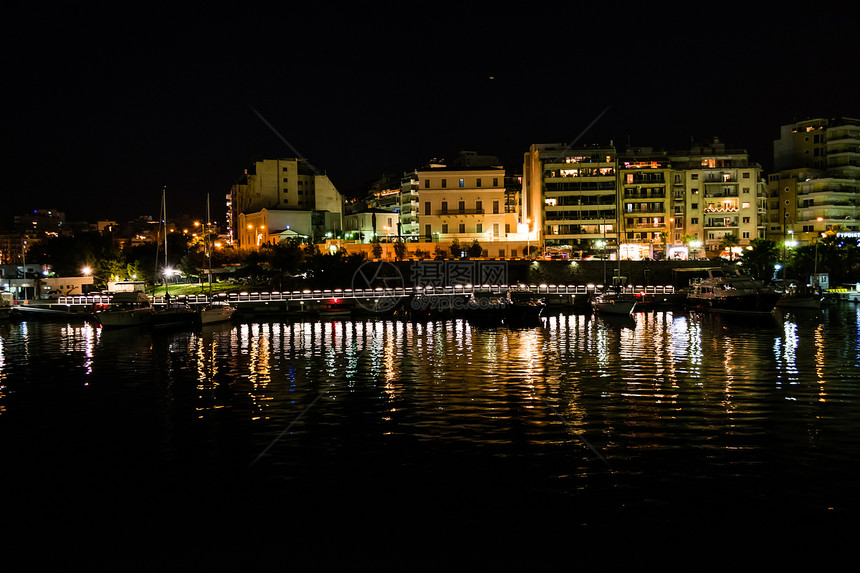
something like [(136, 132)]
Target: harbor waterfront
[(365, 438)]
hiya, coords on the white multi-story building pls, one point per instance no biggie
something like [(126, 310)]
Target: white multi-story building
[(464, 203), (410, 213), (815, 186)]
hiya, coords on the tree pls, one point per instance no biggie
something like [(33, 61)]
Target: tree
[(839, 257), (376, 249), (455, 249), (287, 257), (475, 250), (400, 250), (728, 241), (760, 258)]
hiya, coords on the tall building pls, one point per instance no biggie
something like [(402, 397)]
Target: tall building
[(570, 198), (815, 186), (291, 185), (647, 219), (642, 203), (410, 214), (720, 198)]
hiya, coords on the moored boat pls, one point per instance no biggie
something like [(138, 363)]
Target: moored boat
[(126, 309), (731, 293), (6, 302), (335, 308), (215, 312), (614, 303), (173, 314), (486, 308), (36, 312), (800, 296), (523, 308)]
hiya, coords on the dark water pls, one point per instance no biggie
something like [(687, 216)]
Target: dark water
[(394, 443)]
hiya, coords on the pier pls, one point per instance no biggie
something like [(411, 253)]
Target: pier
[(371, 294)]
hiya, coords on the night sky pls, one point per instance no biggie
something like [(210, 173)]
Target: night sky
[(108, 108)]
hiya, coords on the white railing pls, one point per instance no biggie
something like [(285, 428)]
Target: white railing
[(379, 292)]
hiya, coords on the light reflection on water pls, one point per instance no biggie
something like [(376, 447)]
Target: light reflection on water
[(684, 412)]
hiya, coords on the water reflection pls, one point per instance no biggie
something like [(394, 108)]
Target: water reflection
[(436, 378)]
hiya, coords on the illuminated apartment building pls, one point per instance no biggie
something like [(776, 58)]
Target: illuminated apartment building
[(592, 201), (410, 213), (570, 198), (647, 221), (815, 186), (719, 199)]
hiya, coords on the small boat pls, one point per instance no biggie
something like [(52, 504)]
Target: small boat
[(486, 308), (523, 308), (215, 312), (614, 303), (36, 312), (722, 292), (335, 308), (800, 296), (6, 303), (126, 309), (173, 314)]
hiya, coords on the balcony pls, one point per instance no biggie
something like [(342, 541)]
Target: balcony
[(647, 211), (724, 178), (630, 194), (452, 212), (646, 225), (722, 193), (724, 223)]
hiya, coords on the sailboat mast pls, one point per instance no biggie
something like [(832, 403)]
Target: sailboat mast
[(208, 246), (164, 226)]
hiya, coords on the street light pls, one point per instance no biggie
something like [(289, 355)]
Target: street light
[(602, 245), (695, 246), (669, 239)]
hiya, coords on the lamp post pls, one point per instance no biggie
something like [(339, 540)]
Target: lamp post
[(815, 261), (695, 245), (602, 245), (791, 243)]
